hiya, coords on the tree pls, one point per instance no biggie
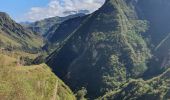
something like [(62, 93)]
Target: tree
[(81, 94)]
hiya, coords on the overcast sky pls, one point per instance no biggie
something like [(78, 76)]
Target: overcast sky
[(32, 10)]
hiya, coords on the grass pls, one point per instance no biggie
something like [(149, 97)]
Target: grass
[(35, 82), (6, 40)]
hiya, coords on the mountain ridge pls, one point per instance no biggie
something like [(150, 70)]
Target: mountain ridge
[(43, 26), (101, 50), (120, 51), (13, 35)]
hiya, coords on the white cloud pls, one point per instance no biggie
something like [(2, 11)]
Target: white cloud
[(60, 7)]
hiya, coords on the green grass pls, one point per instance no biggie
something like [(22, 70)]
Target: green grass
[(35, 82), (6, 40), (13, 35)]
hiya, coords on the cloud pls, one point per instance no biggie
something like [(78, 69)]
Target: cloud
[(62, 8)]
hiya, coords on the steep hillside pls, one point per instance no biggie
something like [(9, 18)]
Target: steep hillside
[(104, 51), (14, 36), (57, 35), (18, 46), (119, 52), (156, 12), (36, 82), (44, 26), (157, 88)]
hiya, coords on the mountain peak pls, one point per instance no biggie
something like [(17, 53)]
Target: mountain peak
[(4, 15)]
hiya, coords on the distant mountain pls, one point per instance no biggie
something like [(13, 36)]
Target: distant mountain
[(43, 26), (74, 12), (14, 36), (25, 24), (58, 33)]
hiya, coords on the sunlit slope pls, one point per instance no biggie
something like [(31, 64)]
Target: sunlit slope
[(35, 82), (14, 36)]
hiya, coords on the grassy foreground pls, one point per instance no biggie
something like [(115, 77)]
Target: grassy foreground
[(30, 82)]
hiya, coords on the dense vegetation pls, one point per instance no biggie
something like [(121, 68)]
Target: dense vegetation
[(154, 89), (120, 41), (106, 49)]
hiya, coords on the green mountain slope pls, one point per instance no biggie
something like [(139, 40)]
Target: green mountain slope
[(47, 25), (14, 36), (36, 82), (156, 13), (104, 51), (18, 46), (119, 52), (153, 89), (57, 36)]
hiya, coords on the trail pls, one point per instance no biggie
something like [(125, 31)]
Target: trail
[(164, 40), (55, 91)]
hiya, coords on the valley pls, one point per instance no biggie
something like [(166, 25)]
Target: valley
[(118, 52)]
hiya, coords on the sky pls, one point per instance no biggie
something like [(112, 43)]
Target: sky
[(33, 10)]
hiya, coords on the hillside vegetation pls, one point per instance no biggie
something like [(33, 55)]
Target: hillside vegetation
[(57, 35), (35, 82), (122, 40), (119, 52), (157, 88), (104, 51), (14, 36)]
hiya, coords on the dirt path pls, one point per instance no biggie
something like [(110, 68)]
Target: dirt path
[(55, 91)]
